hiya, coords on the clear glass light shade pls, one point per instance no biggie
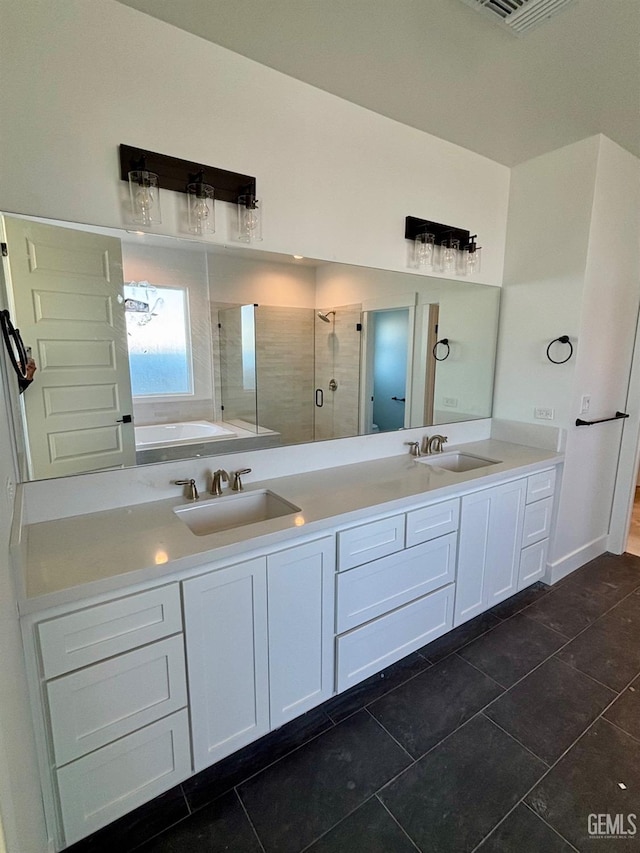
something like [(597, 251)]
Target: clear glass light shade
[(473, 261), (145, 197), (424, 251), (449, 256), (249, 219), (201, 212)]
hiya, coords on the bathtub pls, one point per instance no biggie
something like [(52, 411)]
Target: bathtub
[(187, 432)]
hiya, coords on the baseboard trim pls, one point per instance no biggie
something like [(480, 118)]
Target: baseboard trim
[(559, 569)]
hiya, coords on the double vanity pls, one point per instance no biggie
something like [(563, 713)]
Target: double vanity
[(160, 638)]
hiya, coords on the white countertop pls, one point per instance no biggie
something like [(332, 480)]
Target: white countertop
[(72, 559)]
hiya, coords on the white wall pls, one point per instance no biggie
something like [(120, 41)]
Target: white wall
[(572, 268), (337, 180)]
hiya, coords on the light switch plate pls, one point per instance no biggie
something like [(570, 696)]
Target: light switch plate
[(543, 413)]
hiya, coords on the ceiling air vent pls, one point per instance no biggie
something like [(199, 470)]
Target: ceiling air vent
[(519, 16)]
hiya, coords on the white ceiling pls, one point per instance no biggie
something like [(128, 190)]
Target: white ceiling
[(442, 67)]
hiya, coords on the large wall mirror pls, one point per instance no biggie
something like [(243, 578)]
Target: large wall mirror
[(154, 348)]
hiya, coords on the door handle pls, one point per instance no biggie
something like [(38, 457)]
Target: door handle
[(399, 399), (319, 398), (125, 419)]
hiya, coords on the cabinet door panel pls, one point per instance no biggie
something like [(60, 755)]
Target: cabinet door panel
[(226, 635), (369, 591), (472, 555), (505, 537), (533, 563), (112, 781), (300, 588), (367, 542), (98, 704), (537, 522)]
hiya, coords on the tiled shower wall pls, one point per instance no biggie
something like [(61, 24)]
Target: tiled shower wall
[(337, 356)]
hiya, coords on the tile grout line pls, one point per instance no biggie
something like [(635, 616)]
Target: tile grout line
[(336, 824), (248, 817), (552, 766), (513, 737), (398, 824), (482, 672), (395, 740), (552, 828), (616, 726)]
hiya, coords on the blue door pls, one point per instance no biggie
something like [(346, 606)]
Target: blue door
[(391, 337)]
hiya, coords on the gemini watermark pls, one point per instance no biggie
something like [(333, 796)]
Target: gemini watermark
[(620, 826)]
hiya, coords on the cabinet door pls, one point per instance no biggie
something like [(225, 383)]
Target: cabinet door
[(504, 544), (489, 548), (226, 635), (300, 586)]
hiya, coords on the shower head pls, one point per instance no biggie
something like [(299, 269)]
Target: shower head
[(325, 317)]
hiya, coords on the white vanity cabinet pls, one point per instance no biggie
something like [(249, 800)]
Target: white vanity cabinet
[(112, 683), (503, 539), (259, 640), (390, 606)]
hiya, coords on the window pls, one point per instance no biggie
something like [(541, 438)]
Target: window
[(160, 360)]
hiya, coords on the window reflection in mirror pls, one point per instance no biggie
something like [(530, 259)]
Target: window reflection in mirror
[(227, 348)]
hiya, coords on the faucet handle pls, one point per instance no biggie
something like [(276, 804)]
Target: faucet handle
[(192, 491), (415, 448), (237, 482)]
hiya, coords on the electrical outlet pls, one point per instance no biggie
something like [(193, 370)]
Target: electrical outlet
[(585, 404), (451, 402), (543, 414)]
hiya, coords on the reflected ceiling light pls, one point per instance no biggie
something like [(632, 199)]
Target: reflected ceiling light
[(299, 257)]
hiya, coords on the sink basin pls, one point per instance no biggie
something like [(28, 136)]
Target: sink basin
[(229, 511), (457, 462)]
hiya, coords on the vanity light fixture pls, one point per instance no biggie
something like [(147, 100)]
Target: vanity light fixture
[(147, 172), (442, 248)]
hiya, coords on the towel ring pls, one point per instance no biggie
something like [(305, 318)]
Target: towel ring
[(14, 345), (563, 339), (445, 343)]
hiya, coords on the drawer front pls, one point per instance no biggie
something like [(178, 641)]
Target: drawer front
[(378, 644), (371, 590), (432, 521), (368, 542), (541, 485), (533, 563), (87, 636), (106, 784), (537, 522), (101, 703)]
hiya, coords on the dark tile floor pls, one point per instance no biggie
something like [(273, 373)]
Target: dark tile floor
[(502, 736)]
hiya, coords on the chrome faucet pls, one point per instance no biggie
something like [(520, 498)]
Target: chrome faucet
[(434, 444), (216, 478), (414, 448), (191, 490), (237, 482)]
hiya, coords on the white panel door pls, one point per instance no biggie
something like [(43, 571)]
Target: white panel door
[(300, 588), (225, 615), (67, 296)]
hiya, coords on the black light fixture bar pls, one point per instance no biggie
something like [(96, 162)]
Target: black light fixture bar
[(442, 233), (174, 174)]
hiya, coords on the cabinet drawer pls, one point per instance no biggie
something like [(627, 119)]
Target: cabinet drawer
[(106, 784), (359, 545), (99, 632), (541, 485), (537, 522), (431, 521), (533, 562), (108, 700), (371, 590), (378, 644)]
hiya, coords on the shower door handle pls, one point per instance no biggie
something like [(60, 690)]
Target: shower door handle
[(319, 398)]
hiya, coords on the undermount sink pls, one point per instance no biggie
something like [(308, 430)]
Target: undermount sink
[(456, 461), (236, 510)]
